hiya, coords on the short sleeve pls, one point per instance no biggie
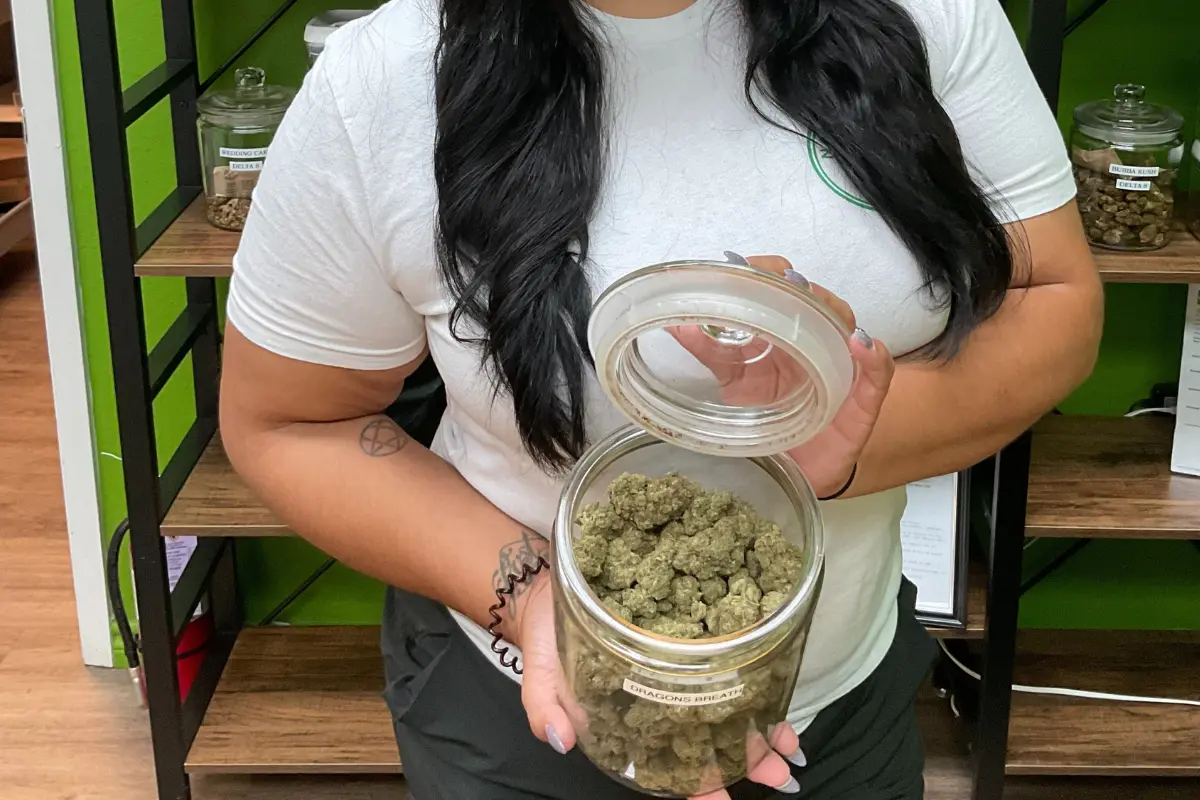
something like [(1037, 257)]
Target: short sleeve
[(307, 280), (1009, 136)]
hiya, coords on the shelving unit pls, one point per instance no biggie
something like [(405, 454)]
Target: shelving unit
[(305, 700), (16, 213)]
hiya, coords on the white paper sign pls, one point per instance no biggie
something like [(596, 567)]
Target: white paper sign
[(1185, 450), (929, 534)]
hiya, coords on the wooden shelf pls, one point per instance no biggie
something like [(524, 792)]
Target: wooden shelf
[(193, 248), (299, 700), (1109, 477), (190, 248), (307, 700), (16, 225), (1068, 736), (1178, 262), (10, 113), (215, 501)]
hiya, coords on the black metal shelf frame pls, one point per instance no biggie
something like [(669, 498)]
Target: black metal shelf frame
[(140, 375)]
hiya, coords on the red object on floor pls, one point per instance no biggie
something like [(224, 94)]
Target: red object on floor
[(191, 650)]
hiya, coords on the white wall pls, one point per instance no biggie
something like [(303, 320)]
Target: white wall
[(33, 27)]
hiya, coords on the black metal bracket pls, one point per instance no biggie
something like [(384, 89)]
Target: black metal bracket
[(1009, 497), (1058, 561), (1044, 45), (246, 45)]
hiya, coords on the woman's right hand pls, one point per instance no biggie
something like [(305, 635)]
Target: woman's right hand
[(543, 686), (544, 695)]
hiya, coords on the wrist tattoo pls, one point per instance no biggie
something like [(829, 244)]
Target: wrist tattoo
[(514, 557), (381, 438)]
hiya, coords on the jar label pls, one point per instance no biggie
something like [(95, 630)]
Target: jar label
[(684, 698), (1133, 186), (243, 152), (1134, 172), (251, 166)]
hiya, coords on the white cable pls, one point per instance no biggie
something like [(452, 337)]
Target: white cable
[(1052, 690), (1141, 411)]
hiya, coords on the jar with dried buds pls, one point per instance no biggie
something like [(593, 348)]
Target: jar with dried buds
[(235, 130), (1126, 154), (688, 553)]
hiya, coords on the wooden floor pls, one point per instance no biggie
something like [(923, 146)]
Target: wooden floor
[(72, 733)]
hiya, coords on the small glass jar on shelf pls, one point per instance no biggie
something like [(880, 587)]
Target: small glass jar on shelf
[(322, 25), (689, 554), (1192, 201), (1126, 154), (236, 128)]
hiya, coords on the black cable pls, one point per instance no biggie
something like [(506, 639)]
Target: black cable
[(195, 651), (299, 590), (1084, 16), (113, 569)]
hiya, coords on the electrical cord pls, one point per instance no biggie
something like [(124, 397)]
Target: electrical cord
[(1142, 411), (129, 641), (1078, 693), (1084, 16)]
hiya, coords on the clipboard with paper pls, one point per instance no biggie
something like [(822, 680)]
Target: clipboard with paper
[(935, 535)]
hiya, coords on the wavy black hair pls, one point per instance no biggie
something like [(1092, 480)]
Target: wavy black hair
[(521, 150)]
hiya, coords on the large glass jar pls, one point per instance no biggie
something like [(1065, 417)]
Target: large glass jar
[(236, 128), (1126, 154), (685, 714), (1192, 210), (319, 27)]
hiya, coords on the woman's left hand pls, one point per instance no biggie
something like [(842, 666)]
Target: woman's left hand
[(829, 459)]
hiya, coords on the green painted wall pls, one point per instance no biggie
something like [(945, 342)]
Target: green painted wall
[(1112, 584), (1117, 584)]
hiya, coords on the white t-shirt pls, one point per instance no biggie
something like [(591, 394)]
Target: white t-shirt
[(337, 263)]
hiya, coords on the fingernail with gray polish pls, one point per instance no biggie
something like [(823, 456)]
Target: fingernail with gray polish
[(796, 278), (864, 338), (798, 758), (555, 741), (791, 787), (734, 258)]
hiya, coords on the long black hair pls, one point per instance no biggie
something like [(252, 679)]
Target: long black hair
[(520, 158)]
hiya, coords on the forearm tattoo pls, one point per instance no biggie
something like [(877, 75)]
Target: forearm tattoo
[(381, 438), (513, 558)]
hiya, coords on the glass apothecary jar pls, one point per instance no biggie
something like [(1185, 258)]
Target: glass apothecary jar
[(322, 25), (236, 128), (688, 555), (1192, 209), (1127, 154)]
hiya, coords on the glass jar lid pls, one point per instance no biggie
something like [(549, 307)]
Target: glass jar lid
[(322, 25), (720, 358), (252, 101), (1128, 119)]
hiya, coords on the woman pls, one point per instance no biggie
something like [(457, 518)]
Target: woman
[(462, 178)]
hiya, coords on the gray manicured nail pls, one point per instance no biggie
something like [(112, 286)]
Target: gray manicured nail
[(796, 278), (864, 338), (734, 258), (555, 740), (798, 758), (791, 787)]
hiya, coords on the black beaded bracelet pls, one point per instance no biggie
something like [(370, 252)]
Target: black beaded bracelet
[(502, 594), (845, 487)]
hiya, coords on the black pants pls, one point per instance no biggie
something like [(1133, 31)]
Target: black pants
[(463, 733)]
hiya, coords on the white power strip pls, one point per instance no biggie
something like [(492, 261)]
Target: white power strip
[(1080, 693)]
